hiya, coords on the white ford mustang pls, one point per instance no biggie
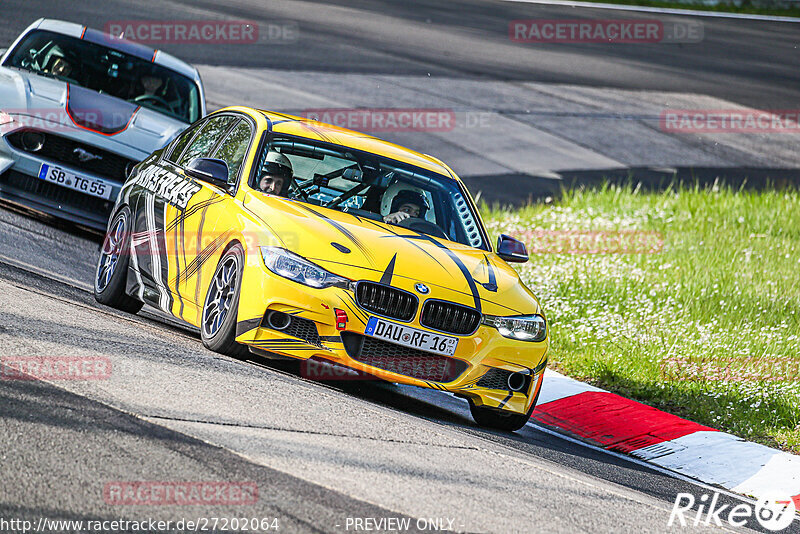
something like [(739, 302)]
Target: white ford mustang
[(79, 108)]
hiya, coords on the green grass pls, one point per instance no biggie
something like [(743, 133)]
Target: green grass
[(722, 293), (790, 11)]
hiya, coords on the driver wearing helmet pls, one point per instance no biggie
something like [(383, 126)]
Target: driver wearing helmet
[(151, 83), (407, 204), (59, 64), (61, 67), (276, 174)]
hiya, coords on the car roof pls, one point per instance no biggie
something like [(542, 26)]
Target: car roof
[(320, 131), (79, 31)]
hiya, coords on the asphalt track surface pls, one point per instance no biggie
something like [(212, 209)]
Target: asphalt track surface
[(320, 453), (754, 63)]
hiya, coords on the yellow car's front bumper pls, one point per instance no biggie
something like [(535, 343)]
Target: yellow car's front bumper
[(480, 352)]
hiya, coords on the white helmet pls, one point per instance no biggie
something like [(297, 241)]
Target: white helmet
[(277, 163)]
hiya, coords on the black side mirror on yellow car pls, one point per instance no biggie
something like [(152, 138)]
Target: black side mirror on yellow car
[(209, 170), (511, 249)]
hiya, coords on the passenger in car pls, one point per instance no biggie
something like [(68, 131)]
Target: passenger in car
[(406, 204)]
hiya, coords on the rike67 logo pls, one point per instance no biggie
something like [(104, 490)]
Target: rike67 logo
[(773, 512)]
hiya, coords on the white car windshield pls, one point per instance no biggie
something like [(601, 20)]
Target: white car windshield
[(108, 71)]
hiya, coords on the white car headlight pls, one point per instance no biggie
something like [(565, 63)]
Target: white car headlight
[(520, 327), (298, 269)]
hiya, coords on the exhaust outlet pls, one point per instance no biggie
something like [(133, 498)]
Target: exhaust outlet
[(278, 320), (517, 381)]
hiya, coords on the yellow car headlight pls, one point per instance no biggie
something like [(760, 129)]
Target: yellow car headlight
[(298, 269), (520, 327)]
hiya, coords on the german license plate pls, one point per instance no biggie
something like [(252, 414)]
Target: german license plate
[(89, 186), (411, 337)]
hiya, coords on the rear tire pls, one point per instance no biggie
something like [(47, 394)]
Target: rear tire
[(111, 275), (220, 308)]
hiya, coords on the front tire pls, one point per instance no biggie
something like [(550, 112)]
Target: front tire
[(111, 275), (220, 308), (497, 419)]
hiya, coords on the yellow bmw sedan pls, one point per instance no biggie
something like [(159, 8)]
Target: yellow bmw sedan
[(286, 237)]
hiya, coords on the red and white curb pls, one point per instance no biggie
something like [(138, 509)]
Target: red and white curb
[(668, 441)]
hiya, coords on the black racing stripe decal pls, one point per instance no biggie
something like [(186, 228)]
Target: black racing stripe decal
[(247, 325), (353, 306), (463, 268), (513, 310), (324, 136), (182, 233), (198, 245), (386, 278), (177, 271), (472, 382), (286, 117), (302, 121), (347, 233), (159, 266), (185, 214), (287, 349), (204, 256), (355, 313), (395, 234), (492, 284), (279, 340), (288, 344), (540, 367), (504, 401), (509, 362)]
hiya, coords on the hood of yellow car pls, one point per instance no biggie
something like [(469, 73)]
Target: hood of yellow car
[(365, 249)]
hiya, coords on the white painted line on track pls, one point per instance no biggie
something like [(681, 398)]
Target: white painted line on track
[(661, 10)]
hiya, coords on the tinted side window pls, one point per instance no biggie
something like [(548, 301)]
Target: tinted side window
[(233, 149), (181, 142), (213, 130)]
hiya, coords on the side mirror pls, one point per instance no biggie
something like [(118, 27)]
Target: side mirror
[(209, 170), (511, 249)]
